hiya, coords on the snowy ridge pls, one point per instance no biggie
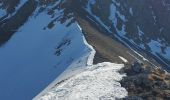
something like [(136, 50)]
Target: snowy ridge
[(97, 83), (94, 82)]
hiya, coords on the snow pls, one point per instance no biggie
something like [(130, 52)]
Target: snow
[(122, 32), (99, 82), (28, 62), (92, 53), (91, 82), (74, 68), (167, 53), (123, 59), (112, 13), (141, 56), (90, 2), (155, 47), (154, 17), (89, 10), (131, 11), (2, 12), (22, 2), (140, 32), (113, 18)]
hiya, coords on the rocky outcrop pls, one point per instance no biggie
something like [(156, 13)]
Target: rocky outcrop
[(146, 83)]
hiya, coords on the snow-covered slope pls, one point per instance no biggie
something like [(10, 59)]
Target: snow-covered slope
[(89, 82), (36, 55)]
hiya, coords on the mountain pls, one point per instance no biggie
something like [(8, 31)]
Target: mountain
[(68, 49)]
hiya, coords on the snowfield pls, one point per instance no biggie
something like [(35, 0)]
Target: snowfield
[(36, 55)]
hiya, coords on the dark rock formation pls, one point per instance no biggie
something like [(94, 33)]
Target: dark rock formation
[(146, 83)]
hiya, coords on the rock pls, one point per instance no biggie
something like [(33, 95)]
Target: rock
[(136, 67), (146, 83), (133, 98)]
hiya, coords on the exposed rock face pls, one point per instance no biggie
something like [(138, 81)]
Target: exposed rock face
[(148, 83), (152, 17), (136, 67), (9, 5)]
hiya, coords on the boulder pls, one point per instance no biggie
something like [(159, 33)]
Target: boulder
[(136, 67)]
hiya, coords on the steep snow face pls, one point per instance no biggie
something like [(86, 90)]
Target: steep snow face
[(94, 82), (97, 82), (46, 46), (36, 55)]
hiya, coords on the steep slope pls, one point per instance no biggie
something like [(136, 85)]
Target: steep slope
[(38, 52), (18, 14), (94, 82)]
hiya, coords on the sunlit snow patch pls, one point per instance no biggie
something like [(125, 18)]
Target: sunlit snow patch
[(155, 47), (123, 59), (99, 82)]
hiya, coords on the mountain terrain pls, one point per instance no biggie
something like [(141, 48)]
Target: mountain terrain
[(84, 49)]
